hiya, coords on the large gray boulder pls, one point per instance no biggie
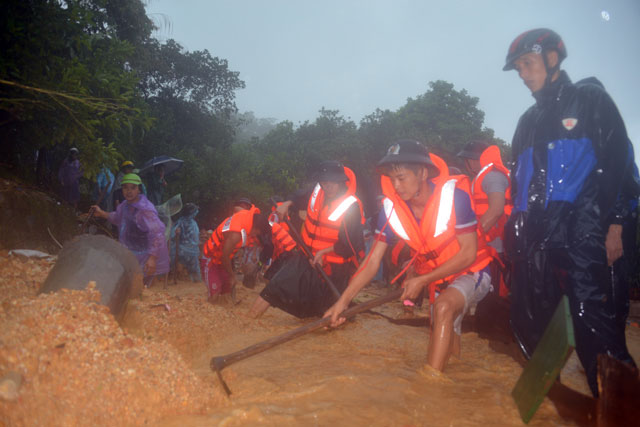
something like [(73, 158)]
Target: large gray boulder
[(100, 259)]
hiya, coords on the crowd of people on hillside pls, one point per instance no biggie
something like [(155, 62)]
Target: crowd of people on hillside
[(136, 215), (556, 223)]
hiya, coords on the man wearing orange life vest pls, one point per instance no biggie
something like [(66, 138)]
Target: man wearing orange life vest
[(433, 214), (333, 231), (491, 194), (232, 234)]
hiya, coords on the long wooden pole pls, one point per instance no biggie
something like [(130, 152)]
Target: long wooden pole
[(220, 362)]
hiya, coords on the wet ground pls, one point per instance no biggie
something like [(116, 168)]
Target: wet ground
[(368, 372)]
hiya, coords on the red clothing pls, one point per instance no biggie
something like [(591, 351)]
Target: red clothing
[(216, 278)]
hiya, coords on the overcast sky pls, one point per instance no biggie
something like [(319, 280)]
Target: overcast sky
[(297, 56)]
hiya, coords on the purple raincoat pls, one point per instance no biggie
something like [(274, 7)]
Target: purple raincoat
[(142, 232)]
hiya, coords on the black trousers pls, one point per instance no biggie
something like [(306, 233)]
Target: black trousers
[(299, 290), (598, 298)]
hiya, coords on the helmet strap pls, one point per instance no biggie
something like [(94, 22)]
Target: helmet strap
[(550, 70)]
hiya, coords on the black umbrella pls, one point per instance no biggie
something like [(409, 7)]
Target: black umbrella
[(170, 165)]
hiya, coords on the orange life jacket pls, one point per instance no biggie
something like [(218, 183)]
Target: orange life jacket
[(433, 240), (490, 160), (323, 221), (282, 240), (241, 222)]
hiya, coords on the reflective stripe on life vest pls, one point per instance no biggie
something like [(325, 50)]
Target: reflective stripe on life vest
[(445, 207), (342, 208), (394, 220)]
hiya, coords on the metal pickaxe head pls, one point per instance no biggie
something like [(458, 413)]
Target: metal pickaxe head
[(217, 364)]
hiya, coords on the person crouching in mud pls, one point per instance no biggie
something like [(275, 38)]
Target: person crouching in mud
[(432, 213), (233, 233), (140, 229), (332, 231)]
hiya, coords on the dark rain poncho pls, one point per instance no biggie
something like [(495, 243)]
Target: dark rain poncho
[(571, 167)]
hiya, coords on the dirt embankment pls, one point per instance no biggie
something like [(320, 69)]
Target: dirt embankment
[(29, 216), (78, 367)]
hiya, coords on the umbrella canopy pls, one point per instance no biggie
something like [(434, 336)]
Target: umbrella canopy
[(170, 165)]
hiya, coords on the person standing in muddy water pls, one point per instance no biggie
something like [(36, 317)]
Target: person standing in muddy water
[(234, 233), (432, 213), (571, 168), (139, 229), (333, 231)]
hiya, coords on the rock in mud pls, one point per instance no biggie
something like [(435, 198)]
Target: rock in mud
[(10, 385), (102, 260)]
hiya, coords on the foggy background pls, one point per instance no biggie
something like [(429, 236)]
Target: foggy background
[(355, 56)]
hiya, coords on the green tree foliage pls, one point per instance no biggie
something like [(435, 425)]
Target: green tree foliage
[(64, 78), (443, 118), (330, 136), (248, 126), (376, 132), (88, 73), (191, 97), (169, 72)]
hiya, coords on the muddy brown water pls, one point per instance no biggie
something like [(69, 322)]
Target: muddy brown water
[(369, 372)]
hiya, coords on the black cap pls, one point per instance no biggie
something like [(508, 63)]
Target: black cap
[(409, 151), (474, 149), (243, 201), (331, 171)]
